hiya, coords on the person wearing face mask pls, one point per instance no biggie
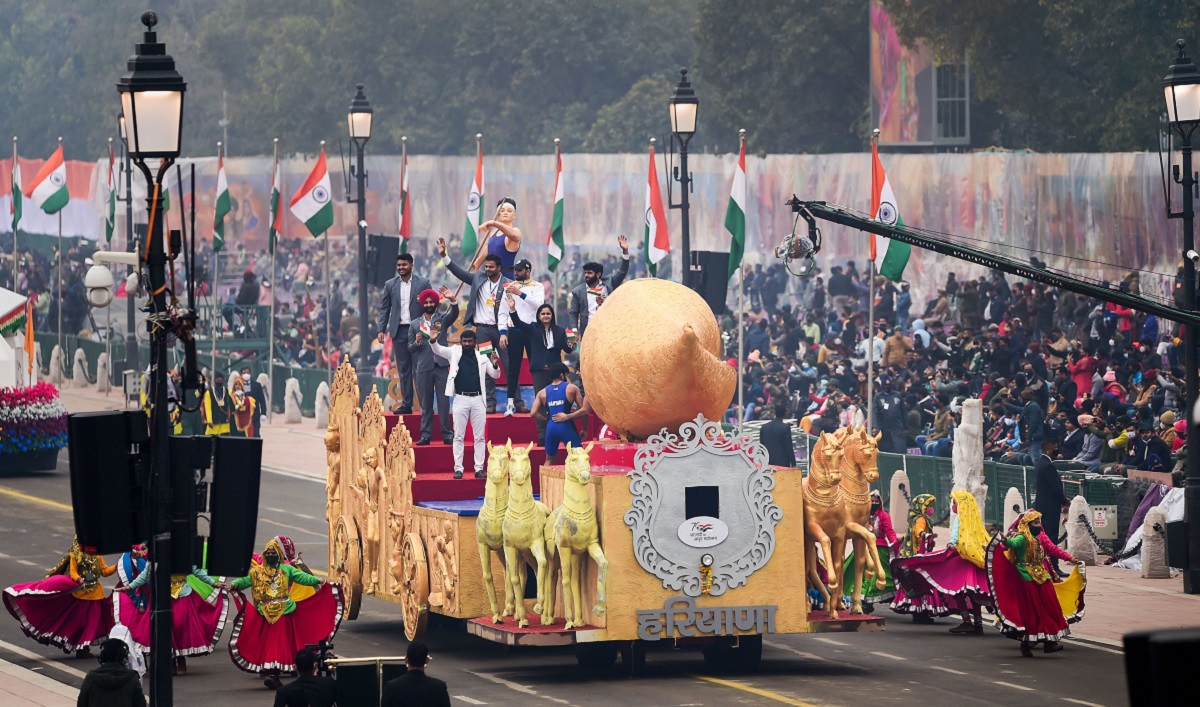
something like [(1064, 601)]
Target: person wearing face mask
[(917, 541), (1028, 603), (267, 635), (431, 369), (217, 408), (587, 296), (255, 390), (880, 524)]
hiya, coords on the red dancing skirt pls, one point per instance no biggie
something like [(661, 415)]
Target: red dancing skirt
[(258, 646), (49, 614), (197, 623), (942, 579), (1027, 610)]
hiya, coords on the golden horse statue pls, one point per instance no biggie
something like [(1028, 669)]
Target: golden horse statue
[(824, 516), (489, 527), (524, 533), (860, 468), (571, 531)]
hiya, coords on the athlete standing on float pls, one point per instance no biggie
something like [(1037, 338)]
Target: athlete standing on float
[(558, 399)]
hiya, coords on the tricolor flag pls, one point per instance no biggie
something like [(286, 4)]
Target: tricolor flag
[(14, 206), (311, 203), (405, 229), (657, 239), (474, 210), (486, 349), (275, 223), (49, 188), (735, 213), (883, 210), (222, 205), (555, 244), (110, 215)]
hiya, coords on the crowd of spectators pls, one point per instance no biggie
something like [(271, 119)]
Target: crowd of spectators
[(1104, 380)]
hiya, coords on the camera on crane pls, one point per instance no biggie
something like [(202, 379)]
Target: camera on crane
[(800, 247)]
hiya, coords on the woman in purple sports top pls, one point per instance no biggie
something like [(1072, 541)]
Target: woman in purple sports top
[(502, 237)]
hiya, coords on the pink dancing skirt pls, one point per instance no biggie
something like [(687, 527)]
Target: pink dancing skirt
[(954, 583), (197, 623), (49, 613), (257, 646), (1027, 610)]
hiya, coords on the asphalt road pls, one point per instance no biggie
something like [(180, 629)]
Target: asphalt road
[(906, 664)]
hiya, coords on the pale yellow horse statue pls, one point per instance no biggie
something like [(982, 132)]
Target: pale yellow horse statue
[(524, 527), (571, 532), (489, 527)]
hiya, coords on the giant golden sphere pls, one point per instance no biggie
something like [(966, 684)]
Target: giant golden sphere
[(651, 358)]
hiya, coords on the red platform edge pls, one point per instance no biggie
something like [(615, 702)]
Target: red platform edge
[(509, 625)]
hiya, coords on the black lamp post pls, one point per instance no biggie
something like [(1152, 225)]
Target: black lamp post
[(684, 108), (152, 105), (131, 344), (1182, 89), (358, 120)]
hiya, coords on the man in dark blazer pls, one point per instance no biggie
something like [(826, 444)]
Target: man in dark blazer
[(595, 288), (397, 309), (776, 436), (487, 309), (316, 690), (415, 687), (431, 369), (1050, 498)]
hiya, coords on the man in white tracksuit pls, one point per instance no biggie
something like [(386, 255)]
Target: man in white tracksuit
[(465, 383)]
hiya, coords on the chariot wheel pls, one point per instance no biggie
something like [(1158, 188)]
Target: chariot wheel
[(414, 589), (346, 567)]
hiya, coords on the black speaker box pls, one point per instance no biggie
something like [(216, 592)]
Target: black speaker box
[(183, 474), (233, 504), (106, 483), (709, 277), (1156, 666), (381, 259)]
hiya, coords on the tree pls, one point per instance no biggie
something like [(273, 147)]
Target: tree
[(1057, 75), (794, 74)]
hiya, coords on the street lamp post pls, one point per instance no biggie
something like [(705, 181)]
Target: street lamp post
[(1182, 90), (684, 108), (131, 344), (358, 120), (152, 103)]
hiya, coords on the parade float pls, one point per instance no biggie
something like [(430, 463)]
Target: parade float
[(33, 419), (678, 532)]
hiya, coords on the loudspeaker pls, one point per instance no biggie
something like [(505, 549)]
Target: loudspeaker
[(1155, 662), (1177, 544), (381, 259), (188, 456), (708, 275), (106, 479), (237, 467)]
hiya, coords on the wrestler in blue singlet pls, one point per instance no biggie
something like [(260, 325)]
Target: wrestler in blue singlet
[(558, 432)]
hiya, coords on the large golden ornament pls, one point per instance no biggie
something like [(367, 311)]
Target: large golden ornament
[(651, 358)]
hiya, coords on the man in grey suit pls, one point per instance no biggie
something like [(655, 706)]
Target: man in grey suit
[(591, 293), (397, 310), (431, 369), (487, 309)]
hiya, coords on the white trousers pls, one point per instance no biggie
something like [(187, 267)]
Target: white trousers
[(473, 410)]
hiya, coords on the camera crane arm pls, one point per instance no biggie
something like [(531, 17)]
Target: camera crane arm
[(813, 210)]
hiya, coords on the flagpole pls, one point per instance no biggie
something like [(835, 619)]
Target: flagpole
[(563, 254), (403, 192), (362, 319), (61, 258), (13, 208), (272, 242), (871, 325), (741, 327)]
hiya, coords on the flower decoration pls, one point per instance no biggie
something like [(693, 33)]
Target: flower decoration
[(32, 419)]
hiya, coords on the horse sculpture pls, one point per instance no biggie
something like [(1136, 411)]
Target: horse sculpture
[(489, 526), (860, 467), (570, 532), (524, 533), (824, 517)]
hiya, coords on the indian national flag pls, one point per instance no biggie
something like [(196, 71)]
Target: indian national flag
[(49, 188), (554, 242), (311, 203), (14, 206), (275, 227), (110, 214), (405, 230), (222, 206), (657, 239), (474, 210), (883, 210), (735, 213)]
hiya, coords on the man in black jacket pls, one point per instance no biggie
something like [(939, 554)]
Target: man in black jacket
[(1050, 499), (415, 687), (776, 436), (318, 691), (113, 683)]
